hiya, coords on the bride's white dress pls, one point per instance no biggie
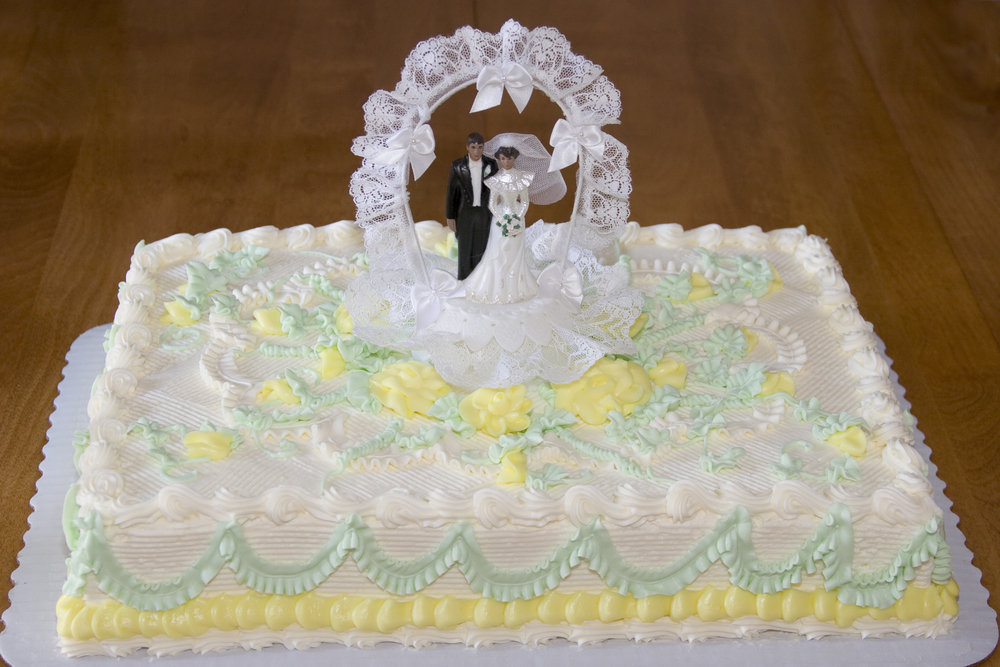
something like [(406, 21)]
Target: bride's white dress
[(503, 275)]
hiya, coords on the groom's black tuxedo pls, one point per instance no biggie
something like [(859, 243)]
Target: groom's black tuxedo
[(472, 223)]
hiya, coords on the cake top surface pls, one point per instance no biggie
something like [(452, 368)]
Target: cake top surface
[(234, 389)]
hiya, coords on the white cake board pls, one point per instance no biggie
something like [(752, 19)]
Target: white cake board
[(30, 635)]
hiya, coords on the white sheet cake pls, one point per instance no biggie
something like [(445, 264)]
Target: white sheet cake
[(253, 473)]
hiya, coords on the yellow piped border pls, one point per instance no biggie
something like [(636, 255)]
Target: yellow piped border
[(113, 620)]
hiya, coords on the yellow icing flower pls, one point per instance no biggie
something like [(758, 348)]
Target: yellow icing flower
[(497, 411), (212, 444), (778, 382), (751, 337), (515, 468), (267, 321), (176, 313), (407, 388), (852, 441), (636, 327), (609, 385), (445, 248), (344, 321), (277, 390), (700, 287), (669, 371), (331, 363)]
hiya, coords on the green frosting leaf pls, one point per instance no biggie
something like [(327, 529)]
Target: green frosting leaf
[(294, 319), (202, 280), (676, 287), (831, 424), (842, 469), (81, 440), (226, 305), (703, 421), (359, 395), (714, 371), (746, 383), (732, 291), (712, 464), (787, 467), (728, 340), (551, 476), (242, 262), (547, 393), (808, 411), (445, 410), (326, 318)]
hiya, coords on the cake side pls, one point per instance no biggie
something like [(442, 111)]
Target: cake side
[(771, 478)]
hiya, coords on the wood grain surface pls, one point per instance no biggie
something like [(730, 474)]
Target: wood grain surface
[(875, 123)]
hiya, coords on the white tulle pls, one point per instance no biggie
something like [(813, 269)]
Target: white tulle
[(500, 345)]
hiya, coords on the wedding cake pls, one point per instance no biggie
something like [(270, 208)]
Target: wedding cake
[(315, 435)]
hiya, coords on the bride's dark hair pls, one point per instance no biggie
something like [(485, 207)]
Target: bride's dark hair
[(507, 151)]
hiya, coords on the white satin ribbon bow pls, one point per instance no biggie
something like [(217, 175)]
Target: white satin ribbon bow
[(417, 145), (492, 81), (565, 286), (566, 140), (427, 298)]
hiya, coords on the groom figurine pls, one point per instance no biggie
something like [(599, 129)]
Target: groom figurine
[(466, 207)]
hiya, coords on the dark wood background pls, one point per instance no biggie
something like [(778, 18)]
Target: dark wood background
[(875, 123)]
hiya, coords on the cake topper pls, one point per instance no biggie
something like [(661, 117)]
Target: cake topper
[(567, 310)]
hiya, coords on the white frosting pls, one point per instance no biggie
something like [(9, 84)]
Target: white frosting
[(491, 507), (811, 329)]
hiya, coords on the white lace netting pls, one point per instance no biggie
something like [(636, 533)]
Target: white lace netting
[(379, 301), (534, 338)]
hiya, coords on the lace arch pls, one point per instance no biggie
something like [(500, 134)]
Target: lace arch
[(438, 68)]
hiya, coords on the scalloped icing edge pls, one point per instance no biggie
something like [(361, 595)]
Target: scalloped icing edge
[(729, 541)]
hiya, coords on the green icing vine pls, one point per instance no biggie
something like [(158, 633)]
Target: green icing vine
[(551, 476), (841, 469), (173, 339), (156, 436), (292, 351), (551, 420), (729, 541), (622, 464), (425, 437), (375, 443)]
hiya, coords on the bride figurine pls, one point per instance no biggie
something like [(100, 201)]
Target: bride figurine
[(502, 275)]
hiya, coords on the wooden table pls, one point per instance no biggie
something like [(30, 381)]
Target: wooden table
[(874, 123)]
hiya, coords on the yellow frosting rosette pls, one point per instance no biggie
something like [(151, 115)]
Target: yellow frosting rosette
[(408, 388), (497, 411), (610, 385)]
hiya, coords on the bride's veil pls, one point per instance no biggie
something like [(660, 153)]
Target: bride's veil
[(547, 187)]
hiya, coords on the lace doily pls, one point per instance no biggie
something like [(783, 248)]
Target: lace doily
[(398, 137)]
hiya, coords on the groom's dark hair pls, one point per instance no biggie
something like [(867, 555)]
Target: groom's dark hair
[(507, 151), (474, 138)]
